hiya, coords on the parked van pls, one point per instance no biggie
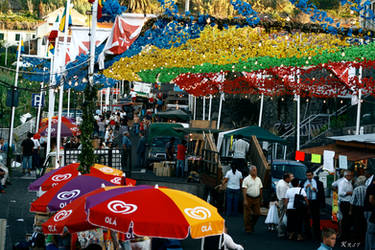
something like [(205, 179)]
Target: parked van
[(279, 167)]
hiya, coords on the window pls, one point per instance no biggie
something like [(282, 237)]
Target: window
[(18, 37), (34, 36), (1, 36)]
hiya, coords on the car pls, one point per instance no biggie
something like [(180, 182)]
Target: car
[(156, 150), (158, 135), (279, 167)]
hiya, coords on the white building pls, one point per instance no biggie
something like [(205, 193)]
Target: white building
[(49, 22)]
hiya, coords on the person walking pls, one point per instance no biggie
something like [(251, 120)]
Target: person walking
[(281, 187), (233, 179), (369, 177), (141, 150), (311, 188), (240, 148), (180, 166), (27, 154), (170, 149), (126, 151), (36, 154), (345, 191), (252, 195), (294, 214), (357, 209)]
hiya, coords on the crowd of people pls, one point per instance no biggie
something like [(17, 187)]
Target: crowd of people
[(295, 209)]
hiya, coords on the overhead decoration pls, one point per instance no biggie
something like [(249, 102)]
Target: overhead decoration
[(225, 47), (318, 81), (353, 53)]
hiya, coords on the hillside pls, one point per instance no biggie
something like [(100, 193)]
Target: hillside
[(24, 13)]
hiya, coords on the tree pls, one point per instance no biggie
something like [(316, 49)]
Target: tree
[(87, 157)]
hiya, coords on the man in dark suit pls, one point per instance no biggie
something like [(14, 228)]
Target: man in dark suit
[(311, 188)]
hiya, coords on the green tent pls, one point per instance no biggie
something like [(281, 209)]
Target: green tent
[(177, 114), (164, 129), (260, 133)]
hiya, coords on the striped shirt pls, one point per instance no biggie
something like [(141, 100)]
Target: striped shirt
[(358, 197)]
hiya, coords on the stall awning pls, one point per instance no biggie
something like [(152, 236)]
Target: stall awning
[(174, 114), (260, 133), (353, 154)]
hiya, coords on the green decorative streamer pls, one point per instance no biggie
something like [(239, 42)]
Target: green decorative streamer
[(354, 53)]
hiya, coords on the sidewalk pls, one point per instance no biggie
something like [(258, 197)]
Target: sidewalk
[(15, 204)]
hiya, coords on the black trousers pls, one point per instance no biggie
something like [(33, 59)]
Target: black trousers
[(313, 213), (346, 221), (294, 221), (359, 223)]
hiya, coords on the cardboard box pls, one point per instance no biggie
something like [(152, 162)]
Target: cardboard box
[(166, 171), (159, 171), (156, 165), (39, 219)]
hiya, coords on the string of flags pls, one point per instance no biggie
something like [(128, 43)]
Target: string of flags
[(327, 159)]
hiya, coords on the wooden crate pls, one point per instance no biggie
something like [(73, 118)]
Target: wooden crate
[(203, 124), (39, 219)]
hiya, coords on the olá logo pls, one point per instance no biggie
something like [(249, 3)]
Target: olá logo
[(68, 195), (120, 207), (62, 215), (61, 177), (199, 213), (106, 170), (116, 180)]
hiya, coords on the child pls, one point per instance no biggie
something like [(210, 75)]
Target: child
[(272, 217), (329, 239)]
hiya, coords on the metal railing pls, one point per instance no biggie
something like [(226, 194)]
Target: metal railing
[(109, 157), (311, 124)]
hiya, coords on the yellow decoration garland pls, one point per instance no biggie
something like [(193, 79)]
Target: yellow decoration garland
[(224, 47)]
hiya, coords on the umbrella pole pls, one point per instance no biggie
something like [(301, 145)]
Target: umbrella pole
[(202, 244)]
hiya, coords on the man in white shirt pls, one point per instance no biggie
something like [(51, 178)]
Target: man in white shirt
[(252, 194), (233, 179), (240, 148), (281, 187), (36, 156), (345, 191)]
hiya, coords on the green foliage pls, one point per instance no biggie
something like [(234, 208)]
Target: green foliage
[(339, 122), (326, 4), (24, 98), (87, 157)]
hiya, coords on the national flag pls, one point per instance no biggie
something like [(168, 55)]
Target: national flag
[(51, 48), (22, 47), (63, 18), (124, 33)]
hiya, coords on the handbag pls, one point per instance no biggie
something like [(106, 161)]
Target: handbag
[(299, 201)]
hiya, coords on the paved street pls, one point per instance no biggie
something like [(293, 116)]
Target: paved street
[(15, 208)]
